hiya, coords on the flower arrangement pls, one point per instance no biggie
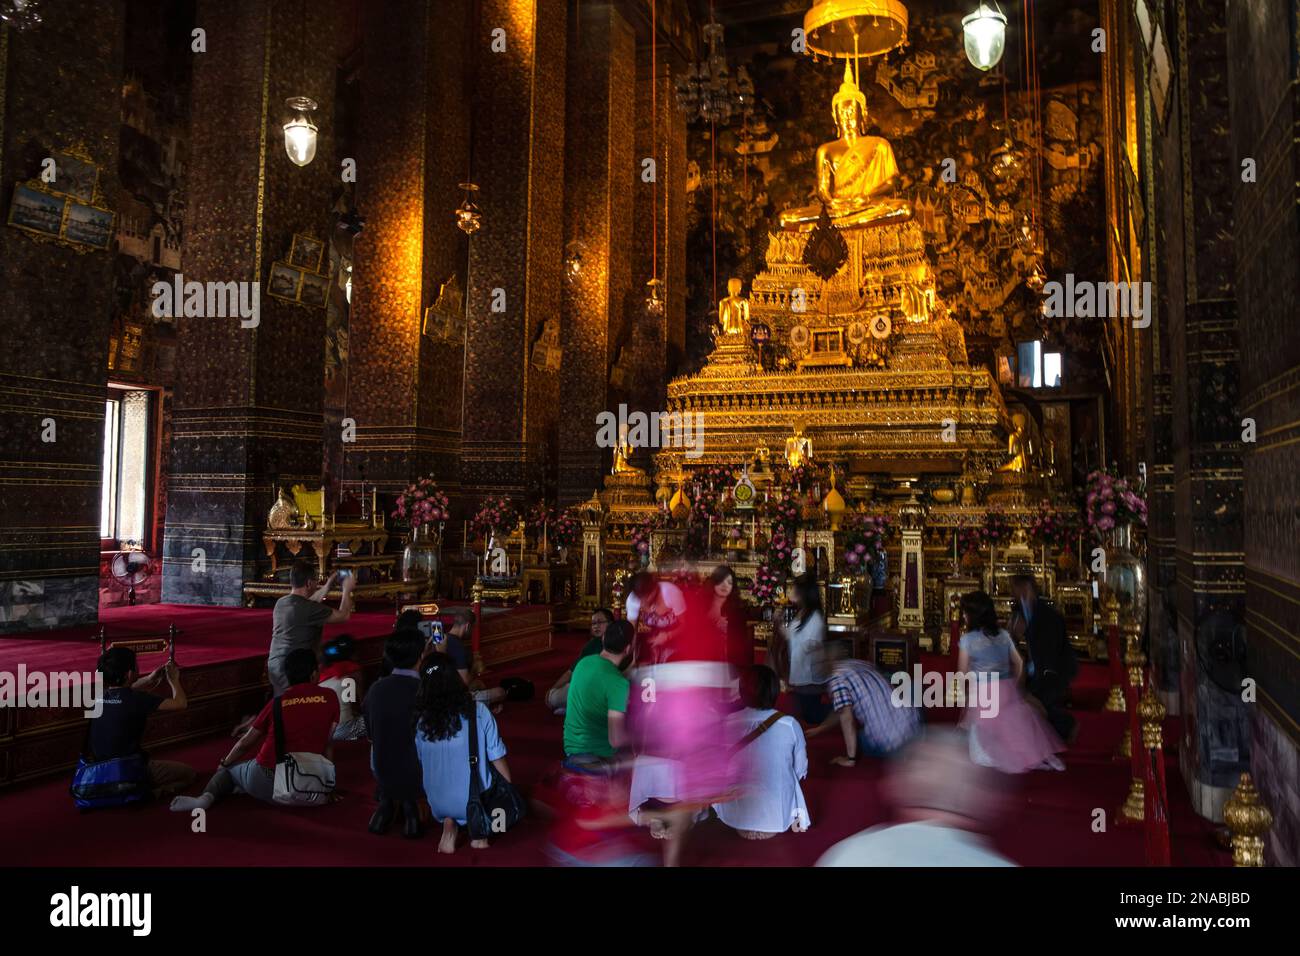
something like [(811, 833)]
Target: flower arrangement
[(997, 529), (864, 541), (1111, 503), (422, 503), (565, 529), (780, 551), (970, 540), (784, 511), (714, 478), (641, 536), (804, 476), (538, 515), (494, 514), (769, 584), (1054, 527)]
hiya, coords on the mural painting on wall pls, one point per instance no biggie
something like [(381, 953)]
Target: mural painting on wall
[(981, 226), (150, 229)]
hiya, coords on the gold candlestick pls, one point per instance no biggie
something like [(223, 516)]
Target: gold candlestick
[(1135, 661)]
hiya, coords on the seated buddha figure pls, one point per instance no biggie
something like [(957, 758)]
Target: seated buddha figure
[(855, 173)]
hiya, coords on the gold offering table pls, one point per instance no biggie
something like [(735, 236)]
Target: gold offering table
[(352, 547)]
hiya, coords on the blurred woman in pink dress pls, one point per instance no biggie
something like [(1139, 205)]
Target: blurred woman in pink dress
[(1004, 731)]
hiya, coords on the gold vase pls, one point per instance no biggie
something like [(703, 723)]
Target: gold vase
[(1248, 820)]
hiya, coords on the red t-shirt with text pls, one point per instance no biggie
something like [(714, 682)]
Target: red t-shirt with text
[(308, 711)]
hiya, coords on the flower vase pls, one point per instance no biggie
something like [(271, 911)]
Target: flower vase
[(1126, 574), (420, 557)]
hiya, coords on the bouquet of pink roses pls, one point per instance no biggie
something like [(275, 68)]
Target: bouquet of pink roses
[(780, 551), (565, 530), (1055, 527), (495, 514), (784, 511), (422, 503), (1111, 502), (997, 529), (864, 541), (769, 583)]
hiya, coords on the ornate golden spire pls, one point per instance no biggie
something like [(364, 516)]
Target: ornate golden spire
[(848, 91)]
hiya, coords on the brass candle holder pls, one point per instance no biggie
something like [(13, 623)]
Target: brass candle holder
[(1110, 618), (1135, 662)]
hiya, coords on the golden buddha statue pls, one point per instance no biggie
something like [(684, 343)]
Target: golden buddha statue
[(798, 448), (622, 456), (855, 173), (1017, 446), (733, 311)]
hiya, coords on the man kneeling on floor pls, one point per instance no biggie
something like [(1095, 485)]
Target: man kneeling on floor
[(309, 712)]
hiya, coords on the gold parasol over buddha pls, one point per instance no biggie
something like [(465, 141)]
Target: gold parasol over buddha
[(855, 28)]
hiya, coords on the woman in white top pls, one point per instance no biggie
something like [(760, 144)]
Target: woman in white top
[(769, 766), (806, 638)]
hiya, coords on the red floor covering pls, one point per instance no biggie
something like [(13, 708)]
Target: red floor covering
[(1049, 821)]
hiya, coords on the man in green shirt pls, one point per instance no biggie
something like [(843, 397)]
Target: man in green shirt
[(558, 696), (595, 721)]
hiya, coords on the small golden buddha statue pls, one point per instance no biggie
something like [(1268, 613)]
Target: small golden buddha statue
[(733, 311), (798, 448), (1017, 446), (623, 454), (855, 173)]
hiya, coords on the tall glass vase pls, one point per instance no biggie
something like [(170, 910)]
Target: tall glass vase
[(420, 557), (1126, 574)]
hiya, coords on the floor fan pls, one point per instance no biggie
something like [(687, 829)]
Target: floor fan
[(130, 569)]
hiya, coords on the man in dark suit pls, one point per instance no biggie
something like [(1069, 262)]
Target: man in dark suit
[(1051, 664)]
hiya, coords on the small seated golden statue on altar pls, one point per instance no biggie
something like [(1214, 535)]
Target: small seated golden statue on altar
[(733, 311), (855, 173), (1018, 446)]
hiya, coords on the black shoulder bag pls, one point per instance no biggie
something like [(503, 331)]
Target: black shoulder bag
[(497, 808)]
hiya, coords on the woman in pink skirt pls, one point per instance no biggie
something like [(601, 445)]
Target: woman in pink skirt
[(1005, 732)]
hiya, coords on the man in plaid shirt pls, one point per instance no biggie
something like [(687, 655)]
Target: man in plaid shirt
[(860, 696)]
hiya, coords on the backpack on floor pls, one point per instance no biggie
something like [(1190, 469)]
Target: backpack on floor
[(97, 784)]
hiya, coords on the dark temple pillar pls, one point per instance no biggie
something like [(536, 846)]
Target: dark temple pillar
[(60, 88), (515, 260), (248, 408), (600, 172)]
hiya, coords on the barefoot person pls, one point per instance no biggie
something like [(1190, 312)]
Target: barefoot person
[(442, 708), (309, 713), (772, 758)]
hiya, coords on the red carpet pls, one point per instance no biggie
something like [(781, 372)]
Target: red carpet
[(207, 635), (1049, 823)]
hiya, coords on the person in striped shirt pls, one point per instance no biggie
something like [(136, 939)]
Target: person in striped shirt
[(862, 708)]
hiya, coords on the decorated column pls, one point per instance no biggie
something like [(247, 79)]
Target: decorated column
[(599, 175), (514, 301), (407, 329), (248, 408), (57, 299)]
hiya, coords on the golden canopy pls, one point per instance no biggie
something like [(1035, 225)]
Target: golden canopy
[(855, 28)]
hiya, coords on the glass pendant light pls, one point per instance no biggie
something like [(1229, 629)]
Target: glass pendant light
[(654, 297), (574, 252), (985, 36), (468, 217), (300, 130)]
